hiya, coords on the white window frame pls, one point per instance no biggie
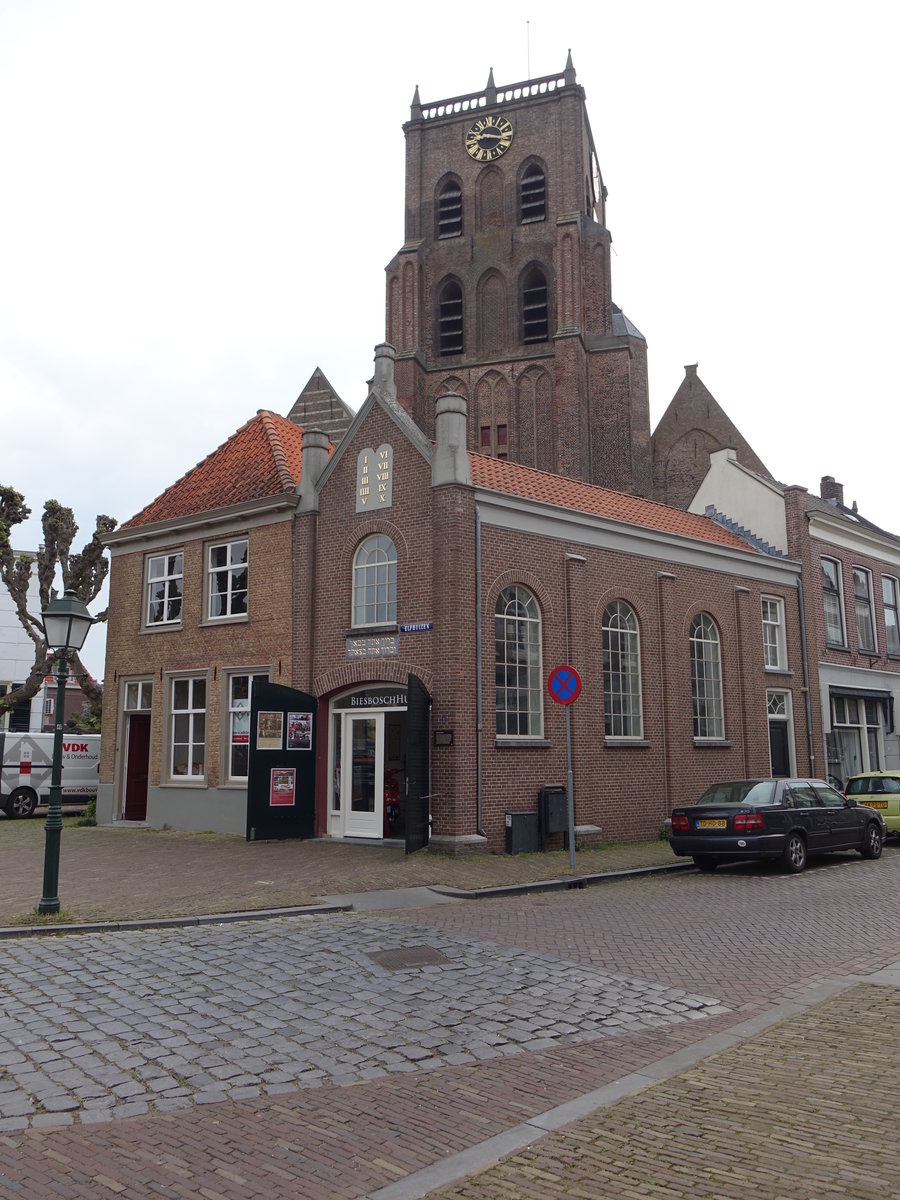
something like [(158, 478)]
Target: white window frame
[(774, 641), (622, 699), (707, 704), (837, 592), (188, 719), (865, 611), (138, 695), (374, 583), (171, 579), (859, 713), (238, 713), (519, 692), (890, 595), (235, 608)]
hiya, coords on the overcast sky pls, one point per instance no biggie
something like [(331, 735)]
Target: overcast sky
[(199, 199)]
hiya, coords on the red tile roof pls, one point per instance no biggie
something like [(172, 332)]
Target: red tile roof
[(512, 479), (261, 459)]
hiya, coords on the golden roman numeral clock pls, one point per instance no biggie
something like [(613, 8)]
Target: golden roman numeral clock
[(488, 138)]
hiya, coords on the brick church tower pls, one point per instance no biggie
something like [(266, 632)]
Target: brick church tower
[(501, 291)]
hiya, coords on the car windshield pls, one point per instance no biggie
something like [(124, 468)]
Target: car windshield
[(740, 791)]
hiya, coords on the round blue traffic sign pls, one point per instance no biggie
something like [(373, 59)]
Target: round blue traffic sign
[(564, 684)]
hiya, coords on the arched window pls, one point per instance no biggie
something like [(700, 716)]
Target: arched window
[(621, 672), (375, 582), (449, 210), (706, 678), (450, 319), (535, 316), (533, 195), (519, 691)]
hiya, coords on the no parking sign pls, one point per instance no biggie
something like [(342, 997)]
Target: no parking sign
[(564, 684)]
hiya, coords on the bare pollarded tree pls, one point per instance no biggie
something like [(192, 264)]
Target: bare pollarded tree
[(84, 573)]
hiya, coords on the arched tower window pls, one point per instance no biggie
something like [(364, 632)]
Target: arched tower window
[(449, 210), (450, 319), (533, 195), (535, 314)]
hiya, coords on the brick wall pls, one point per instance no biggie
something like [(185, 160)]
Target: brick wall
[(263, 641)]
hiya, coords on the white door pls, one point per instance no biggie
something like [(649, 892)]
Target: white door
[(362, 776)]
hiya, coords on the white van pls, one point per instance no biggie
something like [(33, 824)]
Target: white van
[(27, 761)]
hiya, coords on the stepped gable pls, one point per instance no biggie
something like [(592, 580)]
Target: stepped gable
[(263, 458), (748, 535), (694, 426), (529, 484), (320, 407)]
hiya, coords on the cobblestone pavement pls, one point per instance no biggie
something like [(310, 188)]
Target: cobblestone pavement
[(235, 1011)]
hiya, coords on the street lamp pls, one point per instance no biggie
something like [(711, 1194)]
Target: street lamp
[(66, 624)]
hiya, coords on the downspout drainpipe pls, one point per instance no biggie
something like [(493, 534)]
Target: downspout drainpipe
[(663, 690), (803, 651), (479, 702)]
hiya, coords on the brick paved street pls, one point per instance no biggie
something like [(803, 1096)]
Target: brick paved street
[(126, 873), (364, 1054)]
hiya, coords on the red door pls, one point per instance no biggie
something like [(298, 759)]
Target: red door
[(137, 764)]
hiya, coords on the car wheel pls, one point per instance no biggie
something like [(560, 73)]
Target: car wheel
[(22, 803), (871, 847), (793, 857), (703, 863)]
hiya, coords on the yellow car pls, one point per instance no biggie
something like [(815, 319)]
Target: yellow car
[(879, 790)]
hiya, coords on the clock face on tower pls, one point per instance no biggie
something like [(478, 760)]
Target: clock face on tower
[(488, 138)]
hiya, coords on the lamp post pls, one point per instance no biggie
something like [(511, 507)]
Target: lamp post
[(66, 624)]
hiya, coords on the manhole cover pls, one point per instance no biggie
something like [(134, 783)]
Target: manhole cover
[(409, 956)]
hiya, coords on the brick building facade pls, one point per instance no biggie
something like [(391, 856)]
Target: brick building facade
[(850, 578), (483, 519)]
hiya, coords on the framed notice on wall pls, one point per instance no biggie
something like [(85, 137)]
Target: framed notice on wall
[(269, 730), (283, 787), (299, 731)]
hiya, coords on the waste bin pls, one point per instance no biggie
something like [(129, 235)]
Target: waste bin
[(521, 832)]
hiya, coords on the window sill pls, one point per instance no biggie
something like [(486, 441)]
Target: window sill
[(185, 782), (163, 627), (713, 743), (240, 619), (626, 744), (779, 671), (837, 646), (372, 630), (525, 743)]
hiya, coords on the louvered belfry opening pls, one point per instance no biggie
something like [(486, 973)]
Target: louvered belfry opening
[(535, 317), (450, 320), (449, 222), (534, 195)]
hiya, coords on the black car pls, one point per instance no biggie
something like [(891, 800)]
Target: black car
[(784, 819)]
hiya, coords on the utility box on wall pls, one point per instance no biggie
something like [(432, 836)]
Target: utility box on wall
[(521, 833), (553, 808)]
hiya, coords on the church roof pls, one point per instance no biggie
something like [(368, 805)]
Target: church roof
[(622, 327), (320, 407), (261, 459), (525, 482)]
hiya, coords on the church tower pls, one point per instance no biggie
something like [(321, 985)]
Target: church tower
[(501, 291)]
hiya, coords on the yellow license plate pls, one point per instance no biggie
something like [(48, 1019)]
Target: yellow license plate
[(712, 824), (875, 803)]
